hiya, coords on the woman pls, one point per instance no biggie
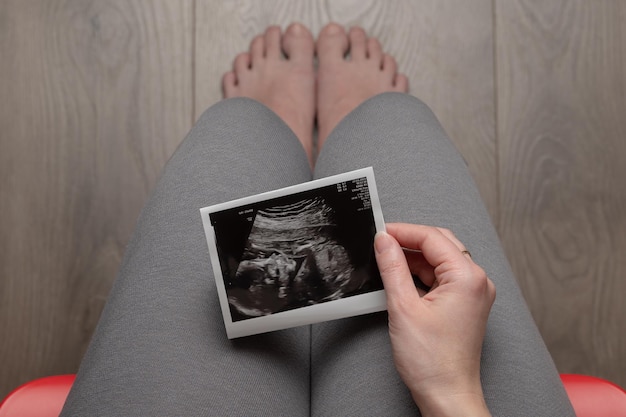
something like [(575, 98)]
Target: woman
[(160, 347)]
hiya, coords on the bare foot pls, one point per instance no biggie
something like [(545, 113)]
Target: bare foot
[(285, 85), (344, 84)]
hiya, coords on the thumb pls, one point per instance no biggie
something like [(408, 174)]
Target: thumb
[(394, 269)]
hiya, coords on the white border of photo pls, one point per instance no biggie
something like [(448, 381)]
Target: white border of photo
[(330, 310)]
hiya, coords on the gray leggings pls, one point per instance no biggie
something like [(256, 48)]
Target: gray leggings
[(160, 347)]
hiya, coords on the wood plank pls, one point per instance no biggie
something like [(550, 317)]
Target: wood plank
[(95, 96), (445, 47), (561, 77)]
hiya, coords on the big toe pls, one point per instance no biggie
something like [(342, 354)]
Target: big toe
[(298, 44), (332, 43)]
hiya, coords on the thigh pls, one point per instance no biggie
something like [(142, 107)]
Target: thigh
[(421, 178), (160, 347)]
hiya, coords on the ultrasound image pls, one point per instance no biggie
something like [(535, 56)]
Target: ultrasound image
[(299, 252)]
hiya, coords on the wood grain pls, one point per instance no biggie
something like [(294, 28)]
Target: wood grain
[(445, 47), (95, 97), (561, 84)]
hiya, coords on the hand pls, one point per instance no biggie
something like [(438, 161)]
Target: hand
[(436, 336)]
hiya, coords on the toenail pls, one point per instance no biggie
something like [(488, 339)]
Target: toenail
[(358, 31), (333, 29), (296, 28)]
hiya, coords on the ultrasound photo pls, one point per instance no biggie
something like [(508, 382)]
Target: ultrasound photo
[(277, 253)]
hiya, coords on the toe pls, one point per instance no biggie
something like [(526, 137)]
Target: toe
[(298, 44), (257, 48), (272, 42), (332, 43), (401, 83), (242, 63), (229, 85), (375, 51), (358, 43), (390, 67)]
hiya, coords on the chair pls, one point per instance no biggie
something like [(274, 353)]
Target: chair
[(594, 397), (44, 397)]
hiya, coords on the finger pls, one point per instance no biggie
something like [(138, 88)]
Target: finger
[(418, 265), (448, 233), (394, 272), (438, 250), (435, 246)]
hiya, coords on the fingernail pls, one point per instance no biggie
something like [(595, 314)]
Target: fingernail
[(382, 242)]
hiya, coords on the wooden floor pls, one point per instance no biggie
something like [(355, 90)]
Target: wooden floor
[(96, 95)]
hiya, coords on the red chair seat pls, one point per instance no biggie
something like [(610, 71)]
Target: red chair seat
[(43, 397), (594, 397)]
